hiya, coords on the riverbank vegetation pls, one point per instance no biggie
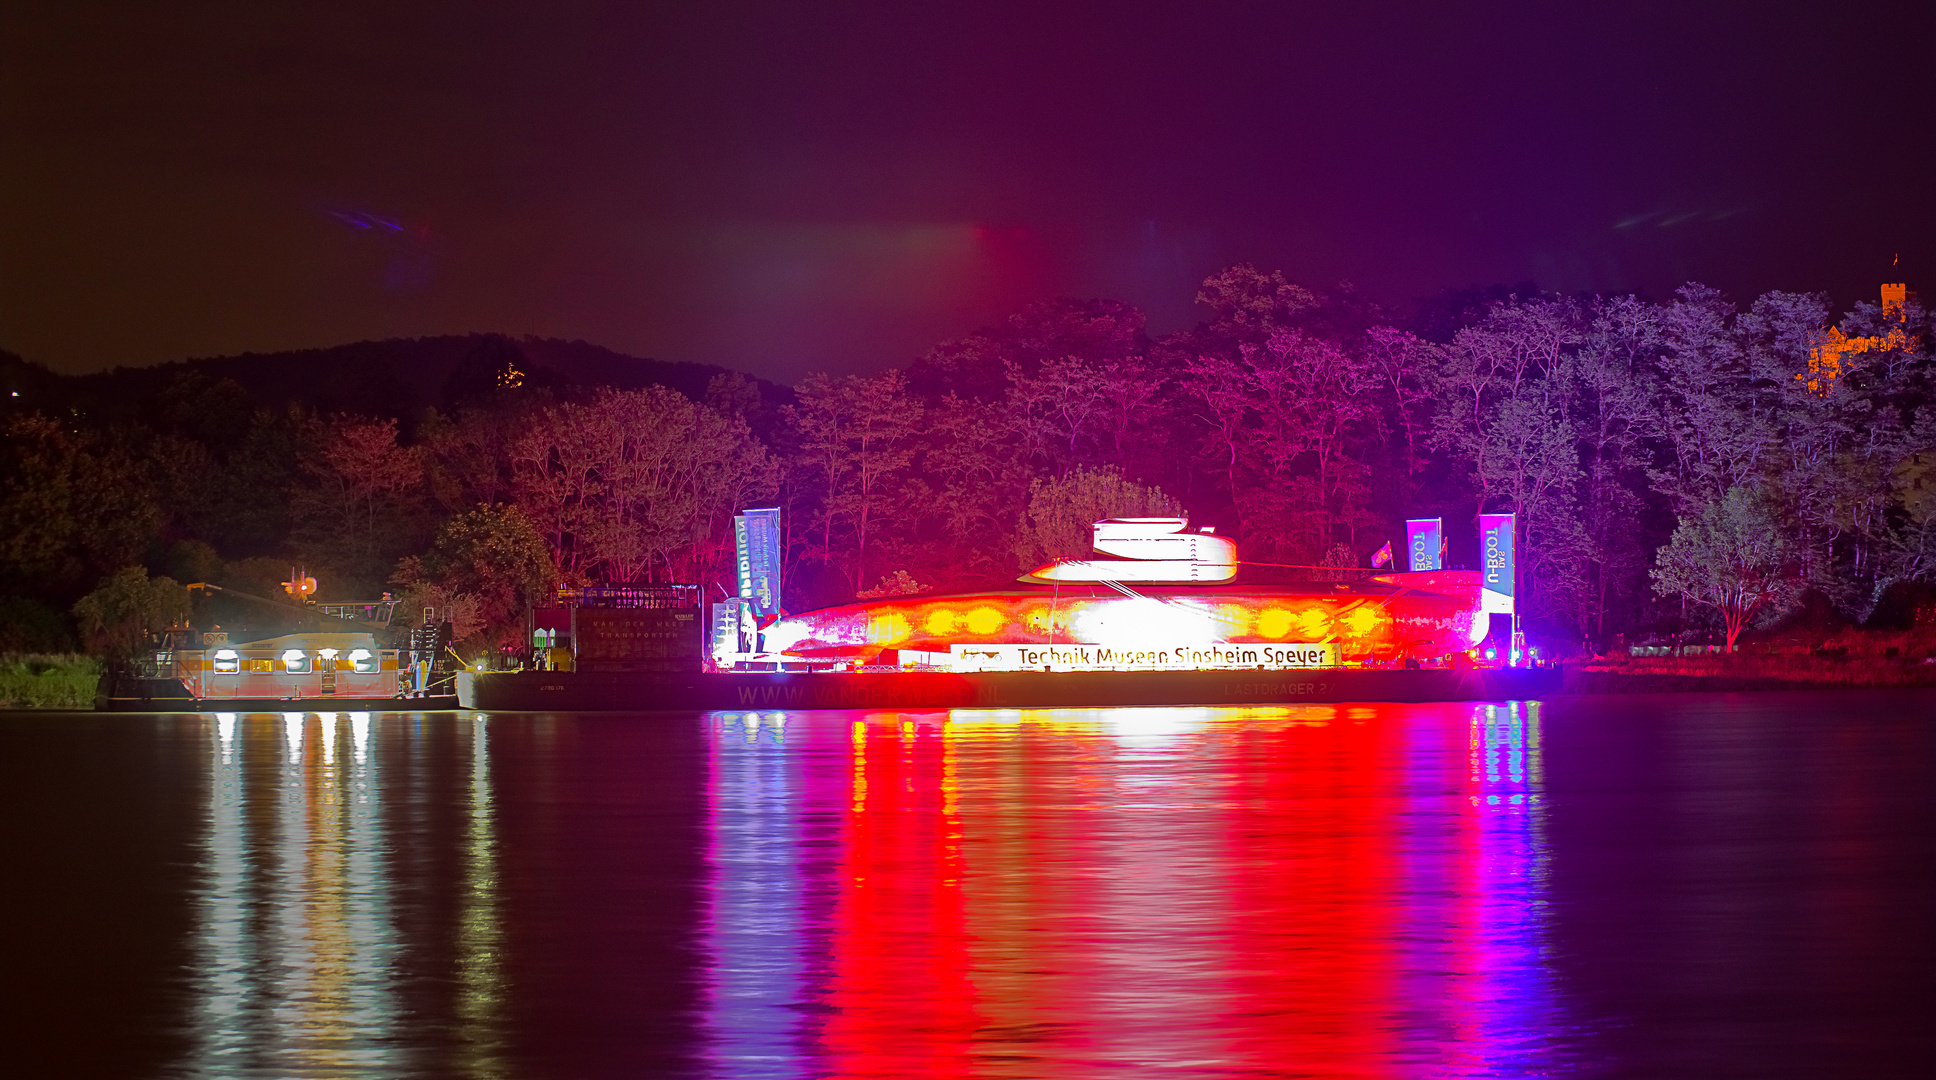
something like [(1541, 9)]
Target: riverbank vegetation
[(1679, 465), (48, 681)]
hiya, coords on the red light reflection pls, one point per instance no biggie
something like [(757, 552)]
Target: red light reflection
[(1331, 890)]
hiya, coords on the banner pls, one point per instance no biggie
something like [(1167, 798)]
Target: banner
[(1424, 537), (1498, 572), (734, 631), (1221, 657), (756, 536)]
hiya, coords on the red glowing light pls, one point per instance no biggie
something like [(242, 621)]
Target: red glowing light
[(1398, 616)]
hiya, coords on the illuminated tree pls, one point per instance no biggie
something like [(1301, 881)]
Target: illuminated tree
[(1401, 363), (465, 460), (1506, 394), (1612, 419), (856, 442), (1285, 417), (961, 497), (1706, 403), (1061, 512), (636, 485), (1731, 555)]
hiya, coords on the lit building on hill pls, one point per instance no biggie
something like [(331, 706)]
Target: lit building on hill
[(1825, 361)]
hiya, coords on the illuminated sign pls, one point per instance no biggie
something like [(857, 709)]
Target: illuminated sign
[(733, 629), (1424, 537), (756, 538), (1497, 571), (1183, 657)]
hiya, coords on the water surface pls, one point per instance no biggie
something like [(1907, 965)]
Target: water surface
[(1652, 886)]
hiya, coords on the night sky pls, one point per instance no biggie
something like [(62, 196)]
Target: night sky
[(790, 187)]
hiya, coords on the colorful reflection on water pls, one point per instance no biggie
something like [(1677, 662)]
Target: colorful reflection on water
[(1332, 890), (301, 923), (1718, 885)]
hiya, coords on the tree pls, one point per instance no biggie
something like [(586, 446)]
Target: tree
[(359, 496), (964, 494), (492, 555), (1061, 511), (1704, 401), (1507, 395), (1733, 556), (977, 367), (1285, 421), (248, 509), (1250, 302), (116, 617), (1401, 363), (856, 441), (71, 508), (636, 485), (734, 395), (1611, 417)]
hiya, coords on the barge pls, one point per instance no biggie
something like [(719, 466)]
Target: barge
[(1159, 619), (343, 657)]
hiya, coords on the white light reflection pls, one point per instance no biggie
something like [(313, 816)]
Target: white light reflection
[(480, 931), (1145, 622), (292, 728), (1154, 729), (359, 734), (296, 976), (330, 721), (224, 971)]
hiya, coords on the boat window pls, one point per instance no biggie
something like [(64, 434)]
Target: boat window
[(227, 661), (362, 660), (295, 660)]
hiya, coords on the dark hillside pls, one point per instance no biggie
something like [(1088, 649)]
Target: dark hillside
[(394, 378)]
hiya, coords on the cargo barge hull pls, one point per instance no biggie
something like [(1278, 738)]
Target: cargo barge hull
[(579, 691), (172, 695)]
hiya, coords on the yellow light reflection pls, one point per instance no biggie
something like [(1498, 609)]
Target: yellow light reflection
[(1364, 620), (985, 620), (889, 627), (480, 934), (1273, 623)]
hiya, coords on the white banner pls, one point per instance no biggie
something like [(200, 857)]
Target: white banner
[(1234, 657)]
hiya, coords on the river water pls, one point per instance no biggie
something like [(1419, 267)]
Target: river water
[(1689, 885)]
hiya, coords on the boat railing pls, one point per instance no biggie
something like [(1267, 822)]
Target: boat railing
[(654, 596), (378, 612)]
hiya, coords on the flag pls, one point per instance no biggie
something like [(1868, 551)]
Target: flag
[(1383, 555), (1425, 541)]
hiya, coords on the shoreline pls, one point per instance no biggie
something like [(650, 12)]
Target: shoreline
[(1745, 673), (1605, 677)]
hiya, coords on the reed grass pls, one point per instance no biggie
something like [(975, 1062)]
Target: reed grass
[(48, 680)]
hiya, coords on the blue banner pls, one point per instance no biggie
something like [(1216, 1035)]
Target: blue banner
[(1498, 572), (1424, 537), (756, 536)]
